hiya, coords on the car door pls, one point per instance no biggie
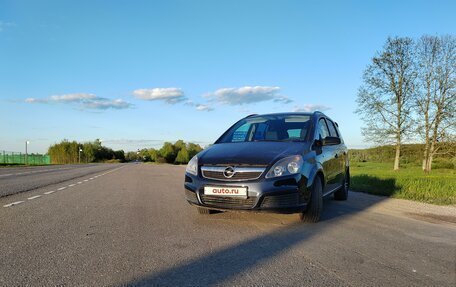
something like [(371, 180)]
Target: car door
[(340, 154), (327, 157)]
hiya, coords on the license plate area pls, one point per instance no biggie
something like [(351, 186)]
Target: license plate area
[(227, 191)]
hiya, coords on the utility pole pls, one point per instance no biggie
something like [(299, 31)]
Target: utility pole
[(26, 153), (80, 149)]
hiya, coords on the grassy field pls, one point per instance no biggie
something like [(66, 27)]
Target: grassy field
[(439, 187)]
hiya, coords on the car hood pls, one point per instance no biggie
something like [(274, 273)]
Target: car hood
[(249, 153)]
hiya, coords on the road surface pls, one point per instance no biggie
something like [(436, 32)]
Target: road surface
[(129, 225)]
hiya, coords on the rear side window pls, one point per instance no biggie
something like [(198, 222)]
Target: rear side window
[(332, 129)]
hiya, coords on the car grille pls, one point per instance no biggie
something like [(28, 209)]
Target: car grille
[(228, 202), (191, 196), (239, 173), (283, 200)]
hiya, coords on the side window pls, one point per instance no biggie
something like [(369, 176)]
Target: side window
[(332, 129), (322, 129), (260, 131)]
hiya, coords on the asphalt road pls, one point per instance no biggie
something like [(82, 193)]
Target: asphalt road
[(129, 224), (19, 179)]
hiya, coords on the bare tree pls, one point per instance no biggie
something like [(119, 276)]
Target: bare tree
[(436, 100), (386, 96)]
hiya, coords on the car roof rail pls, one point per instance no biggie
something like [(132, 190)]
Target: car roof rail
[(252, 115)]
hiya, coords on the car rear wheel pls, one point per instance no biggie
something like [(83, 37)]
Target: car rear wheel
[(313, 212), (204, 210), (342, 193)]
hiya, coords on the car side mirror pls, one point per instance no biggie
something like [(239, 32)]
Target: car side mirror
[(317, 145), (331, 141)]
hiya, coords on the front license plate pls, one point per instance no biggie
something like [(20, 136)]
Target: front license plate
[(226, 191)]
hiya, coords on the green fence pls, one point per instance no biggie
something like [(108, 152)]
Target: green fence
[(22, 158)]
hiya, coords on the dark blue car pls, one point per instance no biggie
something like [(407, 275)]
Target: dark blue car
[(281, 163)]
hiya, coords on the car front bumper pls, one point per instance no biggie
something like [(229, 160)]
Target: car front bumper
[(282, 195)]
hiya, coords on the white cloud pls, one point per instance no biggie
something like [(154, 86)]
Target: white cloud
[(104, 104), (311, 108), (35, 100), (88, 101), (246, 95), (204, 108), (78, 97), (169, 95)]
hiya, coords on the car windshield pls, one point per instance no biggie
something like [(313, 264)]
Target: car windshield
[(268, 128)]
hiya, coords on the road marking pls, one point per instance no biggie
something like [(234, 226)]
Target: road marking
[(61, 188), (14, 203)]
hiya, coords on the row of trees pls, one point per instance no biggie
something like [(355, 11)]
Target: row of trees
[(177, 153), (409, 93), (67, 152)]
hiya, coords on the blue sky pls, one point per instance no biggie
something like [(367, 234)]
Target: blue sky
[(137, 73)]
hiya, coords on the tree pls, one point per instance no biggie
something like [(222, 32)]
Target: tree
[(193, 149), (385, 98), (153, 154), (178, 145), (64, 152), (168, 152), (182, 156), (436, 100)]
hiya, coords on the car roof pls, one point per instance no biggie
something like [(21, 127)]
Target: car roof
[(289, 114)]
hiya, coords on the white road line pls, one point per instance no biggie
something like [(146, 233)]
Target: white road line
[(71, 185), (62, 188), (49, 192), (14, 203), (79, 182), (8, 174), (86, 180), (33, 197), (91, 178)]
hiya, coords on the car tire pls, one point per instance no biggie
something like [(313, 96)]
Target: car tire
[(204, 210), (342, 193), (315, 205)]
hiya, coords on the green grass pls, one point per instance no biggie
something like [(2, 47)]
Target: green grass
[(438, 187)]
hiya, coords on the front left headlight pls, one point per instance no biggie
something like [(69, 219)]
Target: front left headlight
[(286, 166), (192, 166)]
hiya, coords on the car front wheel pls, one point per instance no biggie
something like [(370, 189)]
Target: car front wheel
[(315, 205)]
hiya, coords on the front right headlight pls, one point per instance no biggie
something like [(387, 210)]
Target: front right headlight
[(192, 166), (286, 166)]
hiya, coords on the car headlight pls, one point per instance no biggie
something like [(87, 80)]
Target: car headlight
[(192, 166), (286, 166)]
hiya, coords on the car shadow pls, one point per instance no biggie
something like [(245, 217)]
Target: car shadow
[(222, 265)]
